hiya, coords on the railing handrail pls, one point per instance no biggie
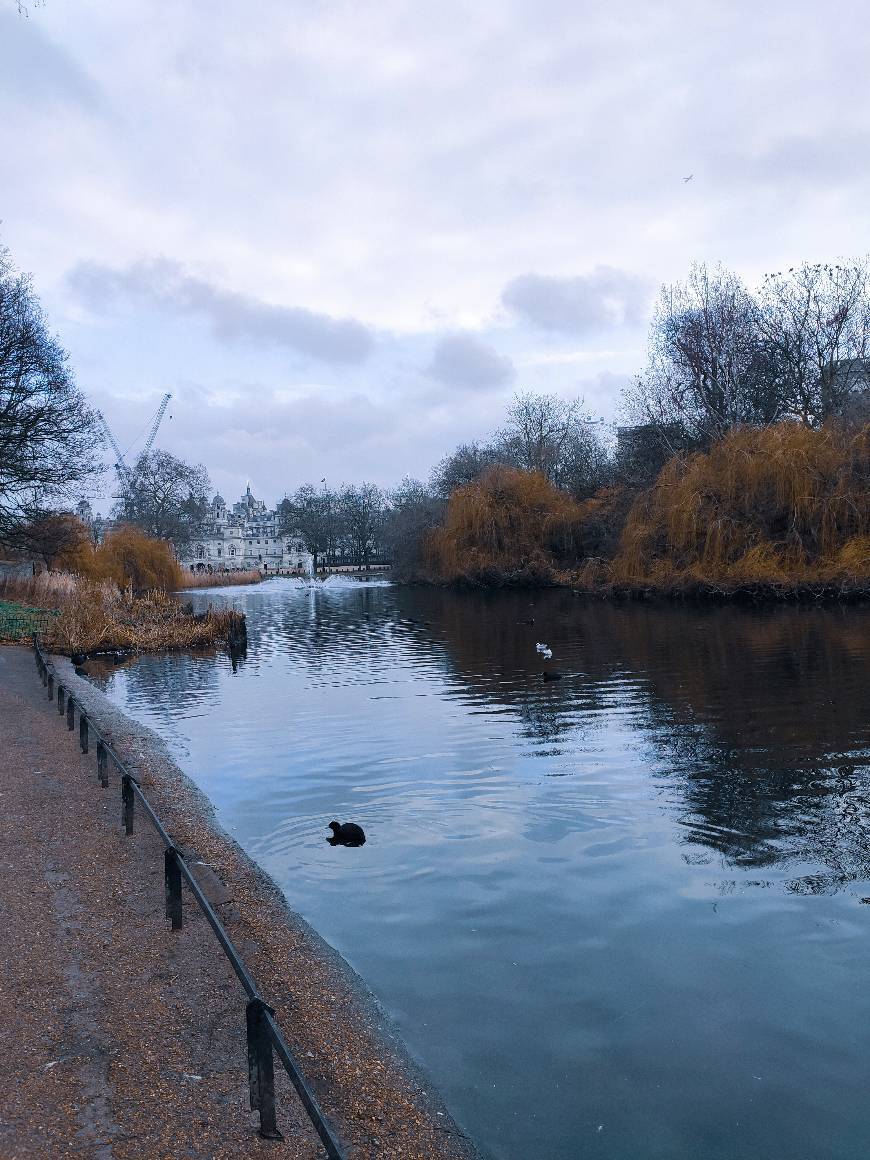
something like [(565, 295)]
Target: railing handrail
[(263, 1031)]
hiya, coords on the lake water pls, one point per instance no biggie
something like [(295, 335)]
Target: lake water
[(621, 914)]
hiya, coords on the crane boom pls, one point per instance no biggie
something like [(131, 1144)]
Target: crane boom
[(158, 419), (120, 463)]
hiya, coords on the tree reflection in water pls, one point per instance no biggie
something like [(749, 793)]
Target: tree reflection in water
[(759, 717)]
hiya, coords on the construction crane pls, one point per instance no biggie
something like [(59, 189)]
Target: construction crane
[(126, 474)]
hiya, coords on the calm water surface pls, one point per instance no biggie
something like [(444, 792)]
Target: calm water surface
[(616, 915)]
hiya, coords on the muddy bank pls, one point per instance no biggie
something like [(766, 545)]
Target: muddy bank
[(378, 1100)]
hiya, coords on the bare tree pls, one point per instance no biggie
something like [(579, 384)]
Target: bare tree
[(312, 515), (414, 511), (709, 367), (538, 430), (361, 512), (467, 463), (47, 432), (585, 464), (816, 318), (51, 535), (542, 433), (166, 498)]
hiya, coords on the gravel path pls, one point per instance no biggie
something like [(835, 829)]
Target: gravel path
[(120, 1038)]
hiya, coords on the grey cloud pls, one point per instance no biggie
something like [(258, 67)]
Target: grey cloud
[(463, 360), (166, 285), (604, 298), (802, 160), (284, 441), (36, 70)]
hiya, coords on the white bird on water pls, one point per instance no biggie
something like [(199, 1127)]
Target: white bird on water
[(545, 650)]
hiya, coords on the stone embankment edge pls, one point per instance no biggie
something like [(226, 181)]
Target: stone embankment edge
[(380, 1099)]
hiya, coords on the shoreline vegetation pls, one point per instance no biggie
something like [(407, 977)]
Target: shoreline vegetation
[(91, 617), (218, 579), (742, 472), (116, 597), (781, 512)]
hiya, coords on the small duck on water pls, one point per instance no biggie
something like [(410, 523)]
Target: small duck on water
[(346, 834)]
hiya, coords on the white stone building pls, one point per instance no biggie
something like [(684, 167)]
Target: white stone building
[(247, 536)]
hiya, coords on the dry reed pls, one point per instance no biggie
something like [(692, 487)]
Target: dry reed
[(219, 579), (96, 615)]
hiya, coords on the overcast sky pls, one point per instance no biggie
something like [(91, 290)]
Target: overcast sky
[(343, 234)]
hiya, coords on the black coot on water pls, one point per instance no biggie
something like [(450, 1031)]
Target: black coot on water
[(346, 834)]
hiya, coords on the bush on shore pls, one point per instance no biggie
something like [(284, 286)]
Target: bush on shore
[(98, 617), (778, 509)]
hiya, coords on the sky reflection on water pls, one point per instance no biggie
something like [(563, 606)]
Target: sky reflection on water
[(614, 915)]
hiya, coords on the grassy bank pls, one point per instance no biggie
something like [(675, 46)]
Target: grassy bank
[(781, 512), (82, 616)]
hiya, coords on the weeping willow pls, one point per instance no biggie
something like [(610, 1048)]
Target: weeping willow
[(782, 504), (508, 525)]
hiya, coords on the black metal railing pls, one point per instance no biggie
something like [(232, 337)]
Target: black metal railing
[(264, 1036)]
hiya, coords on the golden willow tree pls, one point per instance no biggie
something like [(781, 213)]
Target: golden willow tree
[(508, 526), (783, 505)]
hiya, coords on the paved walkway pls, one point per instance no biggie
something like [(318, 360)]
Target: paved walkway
[(117, 1038)]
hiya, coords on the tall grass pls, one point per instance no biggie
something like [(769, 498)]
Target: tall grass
[(219, 579), (779, 505), (47, 590)]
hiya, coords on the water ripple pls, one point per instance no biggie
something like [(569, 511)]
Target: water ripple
[(576, 894)]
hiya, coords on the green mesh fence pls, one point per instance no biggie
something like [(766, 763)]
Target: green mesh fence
[(20, 622)]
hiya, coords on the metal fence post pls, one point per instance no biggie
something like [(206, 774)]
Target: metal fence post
[(102, 764), (70, 714), (172, 882), (51, 686), (261, 1072), (127, 803), (83, 732), (60, 699)]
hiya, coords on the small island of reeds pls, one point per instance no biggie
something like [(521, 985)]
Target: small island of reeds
[(116, 596)]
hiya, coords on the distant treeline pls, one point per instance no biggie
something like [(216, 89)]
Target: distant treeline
[(743, 461)]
